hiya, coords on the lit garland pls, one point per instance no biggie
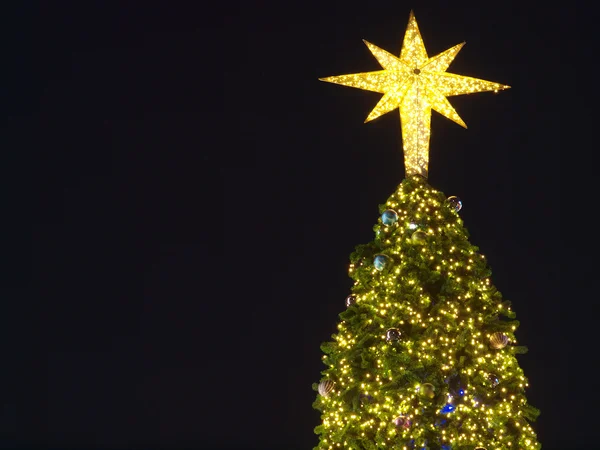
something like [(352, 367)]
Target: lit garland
[(441, 298), (415, 84)]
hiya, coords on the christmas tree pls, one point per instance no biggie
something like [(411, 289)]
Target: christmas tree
[(424, 353)]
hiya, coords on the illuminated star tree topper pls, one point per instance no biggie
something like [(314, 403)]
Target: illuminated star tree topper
[(415, 84)]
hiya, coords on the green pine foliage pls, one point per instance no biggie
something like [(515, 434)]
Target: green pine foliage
[(418, 359)]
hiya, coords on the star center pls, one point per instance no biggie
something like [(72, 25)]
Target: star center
[(417, 71)]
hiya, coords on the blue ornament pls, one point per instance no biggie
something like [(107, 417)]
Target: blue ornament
[(446, 447), (389, 217), (381, 262), (448, 408), (455, 386), (440, 422)]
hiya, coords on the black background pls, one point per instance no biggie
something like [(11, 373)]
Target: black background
[(181, 196)]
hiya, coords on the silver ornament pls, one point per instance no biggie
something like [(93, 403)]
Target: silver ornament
[(350, 300), (325, 387), (455, 203), (498, 340), (393, 334)]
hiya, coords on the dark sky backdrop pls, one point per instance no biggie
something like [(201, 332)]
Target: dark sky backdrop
[(182, 195)]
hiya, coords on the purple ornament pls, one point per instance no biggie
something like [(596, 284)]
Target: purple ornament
[(402, 421)]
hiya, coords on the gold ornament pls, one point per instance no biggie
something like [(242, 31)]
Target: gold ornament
[(498, 340), (415, 84), (419, 237), (325, 387), (427, 390)]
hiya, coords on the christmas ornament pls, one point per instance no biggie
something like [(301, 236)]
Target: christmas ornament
[(415, 84), (381, 262), (325, 387), (402, 421), (479, 448), (366, 398), (427, 390), (350, 300), (393, 334), (441, 423), (455, 203), (498, 340), (389, 217), (456, 393), (493, 378), (447, 408), (419, 237), (455, 387)]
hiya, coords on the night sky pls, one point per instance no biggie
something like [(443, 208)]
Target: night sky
[(181, 196)]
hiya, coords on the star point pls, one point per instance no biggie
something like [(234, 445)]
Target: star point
[(415, 84)]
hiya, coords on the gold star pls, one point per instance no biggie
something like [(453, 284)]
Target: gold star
[(415, 84)]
